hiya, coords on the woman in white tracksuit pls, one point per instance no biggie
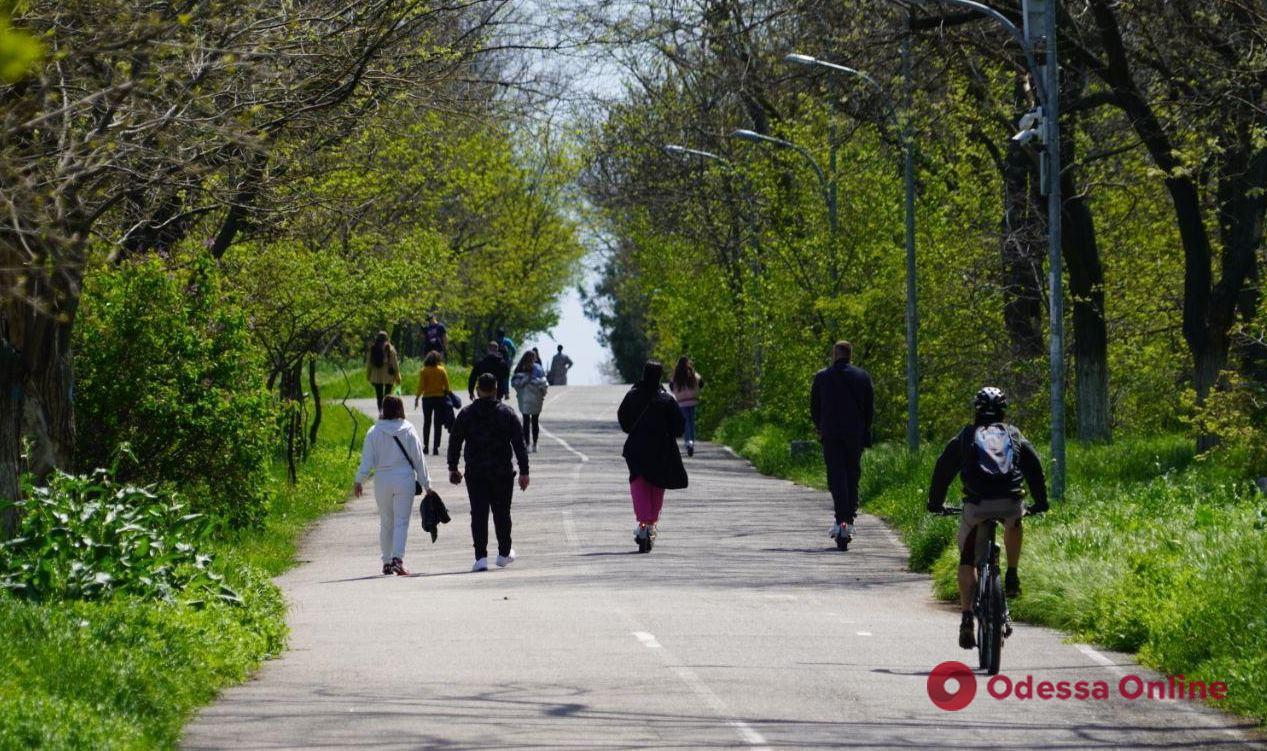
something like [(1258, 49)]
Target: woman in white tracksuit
[(395, 472)]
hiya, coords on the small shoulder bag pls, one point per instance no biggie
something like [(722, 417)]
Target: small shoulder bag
[(417, 485)]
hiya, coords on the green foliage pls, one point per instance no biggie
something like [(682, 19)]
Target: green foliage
[(18, 51), (166, 372), (86, 537), (1153, 552), (126, 672), (1237, 411)]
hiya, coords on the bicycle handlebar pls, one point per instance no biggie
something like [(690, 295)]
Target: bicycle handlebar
[(958, 510)]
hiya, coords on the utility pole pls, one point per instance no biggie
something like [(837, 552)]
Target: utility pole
[(912, 309)]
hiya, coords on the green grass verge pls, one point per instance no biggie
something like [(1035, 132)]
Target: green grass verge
[(127, 674), (1153, 551), (337, 380)]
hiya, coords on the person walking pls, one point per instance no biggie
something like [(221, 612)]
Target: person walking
[(382, 368), (393, 454), (508, 349), (490, 433), (651, 418), (686, 385), (433, 392), (491, 362), (842, 406), (530, 388), (435, 337), (560, 364)]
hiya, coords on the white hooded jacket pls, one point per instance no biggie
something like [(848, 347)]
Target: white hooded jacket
[(382, 457)]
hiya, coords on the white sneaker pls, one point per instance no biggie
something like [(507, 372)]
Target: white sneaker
[(505, 560), (841, 530), (480, 565)]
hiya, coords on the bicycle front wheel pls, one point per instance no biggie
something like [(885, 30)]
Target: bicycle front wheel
[(992, 646)]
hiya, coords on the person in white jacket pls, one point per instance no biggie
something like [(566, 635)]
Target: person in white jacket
[(395, 472)]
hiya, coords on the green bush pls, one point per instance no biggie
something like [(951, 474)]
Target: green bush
[(85, 537), (165, 367)]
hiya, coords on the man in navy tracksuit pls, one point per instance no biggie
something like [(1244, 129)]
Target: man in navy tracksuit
[(842, 405)]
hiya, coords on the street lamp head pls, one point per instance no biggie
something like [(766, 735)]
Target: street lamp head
[(800, 59), (674, 149), (748, 135)]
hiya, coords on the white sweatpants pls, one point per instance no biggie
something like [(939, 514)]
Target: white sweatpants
[(395, 496)]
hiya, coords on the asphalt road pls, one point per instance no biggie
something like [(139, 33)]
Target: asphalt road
[(744, 628)]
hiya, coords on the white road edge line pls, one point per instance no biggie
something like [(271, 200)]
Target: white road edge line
[(745, 731), (1108, 664)]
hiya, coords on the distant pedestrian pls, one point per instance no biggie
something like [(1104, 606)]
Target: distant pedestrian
[(393, 454), (435, 337), (433, 392), (508, 350), (490, 433), (654, 423), (491, 362), (842, 406), (382, 368), (686, 385), (560, 364), (530, 387)]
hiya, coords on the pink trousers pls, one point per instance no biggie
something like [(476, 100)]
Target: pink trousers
[(647, 500)]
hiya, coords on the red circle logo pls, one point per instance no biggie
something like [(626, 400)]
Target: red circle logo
[(964, 691)]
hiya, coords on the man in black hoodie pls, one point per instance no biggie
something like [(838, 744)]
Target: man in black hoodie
[(494, 363), (491, 433), (841, 404)]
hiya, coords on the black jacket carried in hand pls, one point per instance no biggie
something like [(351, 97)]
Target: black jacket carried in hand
[(433, 514), (492, 434), (1027, 469), (489, 364), (842, 404), (654, 423)]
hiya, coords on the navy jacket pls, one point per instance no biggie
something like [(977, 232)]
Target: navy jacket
[(492, 435), (842, 404)]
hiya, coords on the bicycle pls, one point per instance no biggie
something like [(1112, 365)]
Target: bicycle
[(989, 603)]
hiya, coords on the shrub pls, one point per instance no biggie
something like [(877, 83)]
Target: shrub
[(85, 537), (165, 366)]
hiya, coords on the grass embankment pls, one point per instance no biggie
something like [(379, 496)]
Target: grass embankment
[(126, 673), (337, 381), (1153, 551)]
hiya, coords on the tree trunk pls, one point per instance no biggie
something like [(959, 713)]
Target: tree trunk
[(10, 438), (1086, 289), (316, 401)]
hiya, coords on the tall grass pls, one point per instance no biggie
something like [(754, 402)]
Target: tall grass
[(1154, 551), (127, 673), (338, 379)]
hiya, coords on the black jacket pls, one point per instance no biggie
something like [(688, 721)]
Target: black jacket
[(433, 513), (489, 364), (842, 404), (491, 432), (654, 423), (1027, 469)]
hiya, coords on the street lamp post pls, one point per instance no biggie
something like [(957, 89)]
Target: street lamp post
[(1040, 25), (908, 169)]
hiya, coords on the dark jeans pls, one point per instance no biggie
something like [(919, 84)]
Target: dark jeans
[(431, 406), (688, 414), (381, 390), (490, 493), (533, 422), (844, 468)]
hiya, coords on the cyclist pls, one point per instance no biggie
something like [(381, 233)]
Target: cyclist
[(994, 463)]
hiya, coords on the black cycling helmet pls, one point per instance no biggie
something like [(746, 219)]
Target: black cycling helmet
[(990, 401)]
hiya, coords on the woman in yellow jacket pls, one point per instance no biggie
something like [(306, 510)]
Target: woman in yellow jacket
[(433, 389), (382, 368)]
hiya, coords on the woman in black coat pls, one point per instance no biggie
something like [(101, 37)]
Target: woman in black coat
[(654, 423)]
